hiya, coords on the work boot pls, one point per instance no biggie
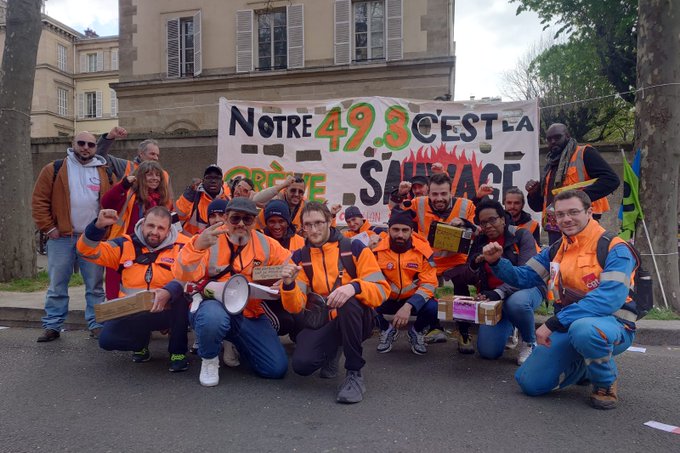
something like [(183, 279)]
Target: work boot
[(329, 370), (465, 345), (210, 372), (417, 340), (48, 335), (435, 336), (352, 389), (387, 337), (604, 397)]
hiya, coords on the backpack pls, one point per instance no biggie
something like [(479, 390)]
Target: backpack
[(641, 292), (147, 258)]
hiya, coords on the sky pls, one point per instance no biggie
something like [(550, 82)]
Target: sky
[(489, 37)]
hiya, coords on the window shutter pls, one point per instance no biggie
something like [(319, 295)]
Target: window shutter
[(342, 35), (81, 105), (114, 104), (244, 40), (99, 104), (114, 59), (172, 35), (100, 60), (198, 54), (295, 17), (83, 62), (395, 50)]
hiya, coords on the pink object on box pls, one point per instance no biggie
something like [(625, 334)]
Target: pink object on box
[(465, 309)]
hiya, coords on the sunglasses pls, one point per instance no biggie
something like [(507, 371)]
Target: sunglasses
[(246, 219), (83, 143)]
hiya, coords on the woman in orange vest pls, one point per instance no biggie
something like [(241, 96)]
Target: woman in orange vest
[(131, 198)]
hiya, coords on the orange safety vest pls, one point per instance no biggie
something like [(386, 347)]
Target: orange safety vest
[(576, 172), (120, 227), (462, 208), (530, 226)]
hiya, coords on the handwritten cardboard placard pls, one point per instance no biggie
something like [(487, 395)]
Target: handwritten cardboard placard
[(267, 273)]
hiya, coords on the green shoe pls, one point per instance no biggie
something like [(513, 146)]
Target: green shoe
[(178, 362), (141, 356)]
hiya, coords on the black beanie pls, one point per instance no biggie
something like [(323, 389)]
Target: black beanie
[(399, 217)]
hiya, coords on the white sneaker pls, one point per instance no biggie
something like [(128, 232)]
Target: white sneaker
[(210, 372), (230, 356), (513, 339), (525, 350)]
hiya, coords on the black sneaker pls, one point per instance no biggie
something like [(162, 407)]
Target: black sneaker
[(141, 356), (352, 389), (48, 335), (329, 370), (178, 362)]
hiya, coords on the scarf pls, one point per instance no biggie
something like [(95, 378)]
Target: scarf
[(559, 160)]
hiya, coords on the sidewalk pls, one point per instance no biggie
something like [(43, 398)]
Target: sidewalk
[(27, 309)]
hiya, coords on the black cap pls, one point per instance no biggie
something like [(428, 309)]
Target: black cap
[(217, 206), (419, 180), (399, 217), (353, 211), (212, 168), (242, 204)]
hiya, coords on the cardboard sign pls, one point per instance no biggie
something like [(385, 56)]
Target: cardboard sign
[(448, 237), (267, 273), (124, 306)]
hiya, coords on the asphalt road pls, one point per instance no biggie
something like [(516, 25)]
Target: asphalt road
[(69, 395)]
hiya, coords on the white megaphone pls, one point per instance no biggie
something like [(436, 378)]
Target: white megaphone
[(233, 293)]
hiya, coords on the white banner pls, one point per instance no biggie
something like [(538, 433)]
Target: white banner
[(356, 151)]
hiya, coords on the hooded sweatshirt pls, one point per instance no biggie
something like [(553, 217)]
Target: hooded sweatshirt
[(83, 185)]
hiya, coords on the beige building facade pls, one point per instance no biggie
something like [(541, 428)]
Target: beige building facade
[(178, 57), (71, 68)]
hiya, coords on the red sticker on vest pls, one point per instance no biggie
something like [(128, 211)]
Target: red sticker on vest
[(591, 281)]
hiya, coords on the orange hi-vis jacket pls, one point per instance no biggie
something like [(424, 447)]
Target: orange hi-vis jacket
[(193, 265), (576, 172), (119, 253), (530, 226), (575, 266), (462, 208), (372, 286), (408, 273), (195, 220), (366, 227)]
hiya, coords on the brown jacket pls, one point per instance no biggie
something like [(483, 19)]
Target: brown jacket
[(52, 201)]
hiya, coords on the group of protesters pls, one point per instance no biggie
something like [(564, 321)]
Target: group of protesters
[(119, 218)]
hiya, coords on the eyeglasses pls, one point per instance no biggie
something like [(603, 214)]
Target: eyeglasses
[(313, 226), (246, 219), (570, 213), (490, 221), (83, 143)]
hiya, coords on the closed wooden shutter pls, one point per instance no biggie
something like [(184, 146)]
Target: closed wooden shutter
[(295, 16), (244, 40), (198, 54), (342, 33), (172, 40), (395, 46)]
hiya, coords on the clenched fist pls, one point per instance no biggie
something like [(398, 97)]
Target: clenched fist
[(492, 252), (106, 218)]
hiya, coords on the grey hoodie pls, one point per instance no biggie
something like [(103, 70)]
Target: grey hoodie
[(83, 185), (172, 237)]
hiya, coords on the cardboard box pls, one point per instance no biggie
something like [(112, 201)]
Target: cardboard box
[(445, 307), (477, 311), (447, 237), (267, 274), (124, 306)]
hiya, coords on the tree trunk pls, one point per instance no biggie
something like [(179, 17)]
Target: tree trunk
[(658, 134), (22, 34)]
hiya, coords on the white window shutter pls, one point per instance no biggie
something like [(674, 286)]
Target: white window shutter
[(172, 39), (395, 42), (295, 16), (99, 104), (114, 59), (244, 40), (100, 60), (114, 104), (83, 62), (198, 54), (81, 105), (342, 34)]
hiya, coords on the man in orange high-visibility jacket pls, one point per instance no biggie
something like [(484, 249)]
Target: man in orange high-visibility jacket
[(219, 252), (569, 163), (144, 260), (357, 224), (347, 275), (192, 205), (594, 316), (405, 259), (513, 203)]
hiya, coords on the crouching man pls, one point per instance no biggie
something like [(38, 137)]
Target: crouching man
[(594, 315), (347, 275), (144, 261)]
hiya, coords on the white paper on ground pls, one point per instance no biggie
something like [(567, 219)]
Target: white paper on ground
[(663, 427), (636, 349), (263, 292)]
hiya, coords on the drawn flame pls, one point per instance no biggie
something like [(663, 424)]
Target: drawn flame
[(450, 159)]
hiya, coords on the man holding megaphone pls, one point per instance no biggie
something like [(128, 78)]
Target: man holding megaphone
[(144, 261), (222, 250)]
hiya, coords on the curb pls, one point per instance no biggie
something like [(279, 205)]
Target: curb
[(32, 317)]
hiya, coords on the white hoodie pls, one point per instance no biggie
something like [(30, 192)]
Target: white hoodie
[(83, 186)]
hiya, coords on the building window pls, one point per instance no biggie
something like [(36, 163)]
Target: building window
[(272, 45), (91, 104), (369, 30), (186, 43), (114, 104), (114, 59), (62, 59), (183, 38), (62, 102), (91, 62)]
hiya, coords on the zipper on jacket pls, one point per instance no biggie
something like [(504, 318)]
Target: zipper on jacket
[(401, 283), (323, 260)]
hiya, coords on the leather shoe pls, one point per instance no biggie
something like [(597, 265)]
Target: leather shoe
[(48, 335)]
